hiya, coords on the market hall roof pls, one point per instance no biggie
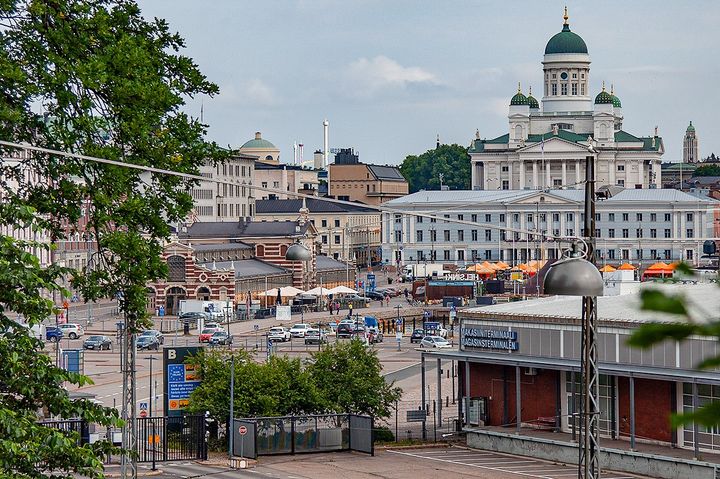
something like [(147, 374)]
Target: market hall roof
[(246, 268), (240, 229), (292, 206)]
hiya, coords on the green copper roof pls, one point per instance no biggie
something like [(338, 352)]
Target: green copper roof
[(258, 143), (566, 42), (603, 98), (690, 127), (625, 137), (616, 101), (532, 102), (519, 99)]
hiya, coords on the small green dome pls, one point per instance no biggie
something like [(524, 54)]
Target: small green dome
[(532, 102), (604, 98), (258, 143), (616, 101), (519, 98), (690, 127), (566, 42)]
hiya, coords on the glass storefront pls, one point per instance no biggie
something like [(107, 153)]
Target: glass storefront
[(708, 437), (607, 403)]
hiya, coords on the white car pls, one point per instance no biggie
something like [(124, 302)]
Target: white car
[(72, 330), (435, 342), (279, 333), (299, 330)]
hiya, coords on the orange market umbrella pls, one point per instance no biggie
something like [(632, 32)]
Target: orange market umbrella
[(502, 265), (522, 266), (659, 266), (627, 267), (487, 265), (607, 269)]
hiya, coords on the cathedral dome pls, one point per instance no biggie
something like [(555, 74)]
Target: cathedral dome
[(566, 41), (604, 98), (519, 98), (532, 101)]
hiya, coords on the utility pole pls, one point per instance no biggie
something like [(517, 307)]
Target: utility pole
[(128, 464)]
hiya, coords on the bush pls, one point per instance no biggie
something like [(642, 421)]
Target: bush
[(383, 434)]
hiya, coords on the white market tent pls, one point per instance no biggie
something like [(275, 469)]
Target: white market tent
[(319, 291), (285, 291), (342, 290)]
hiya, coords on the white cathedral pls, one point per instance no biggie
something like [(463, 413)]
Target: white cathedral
[(546, 147)]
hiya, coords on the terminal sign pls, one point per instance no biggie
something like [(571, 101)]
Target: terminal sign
[(489, 339)]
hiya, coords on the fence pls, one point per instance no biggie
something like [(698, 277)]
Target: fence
[(173, 438), (409, 421)]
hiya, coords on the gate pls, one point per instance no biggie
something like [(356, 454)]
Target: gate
[(70, 426), (173, 438), (295, 434)]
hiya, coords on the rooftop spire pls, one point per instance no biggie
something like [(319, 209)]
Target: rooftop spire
[(530, 91), (603, 85), (565, 17), (519, 88), (612, 89)]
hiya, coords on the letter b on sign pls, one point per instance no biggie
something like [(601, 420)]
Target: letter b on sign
[(172, 354)]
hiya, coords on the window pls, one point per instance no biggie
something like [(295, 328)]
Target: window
[(557, 181), (530, 218), (176, 268), (597, 233), (689, 233), (488, 235), (667, 217), (556, 217), (398, 218), (264, 184), (323, 223), (502, 217), (461, 217), (611, 254), (554, 89), (574, 75), (276, 184), (504, 169), (418, 219), (563, 89), (419, 236), (667, 233), (461, 255), (433, 220), (473, 217), (570, 232), (474, 254), (639, 253), (516, 217), (542, 218), (488, 254), (446, 216), (638, 233), (653, 233), (688, 254), (626, 254), (653, 254), (689, 216), (337, 223), (626, 216), (625, 233), (337, 239), (667, 254), (620, 167), (574, 89), (474, 235), (503, 235), (611, 233), (446, 235), (653, 216), (324, 239), (505, 185), (582, 88), (621, 182), (488, 218), (461, 235), (570, 217), (433, 235), (398, 236), (639, 216), (554, 76), (446, 255)]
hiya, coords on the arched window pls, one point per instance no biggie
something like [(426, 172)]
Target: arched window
[(518, 132), (176, 268), (260, 250), (603, 130), (269, 158)]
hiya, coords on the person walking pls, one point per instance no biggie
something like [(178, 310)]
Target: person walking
[(387, 300)]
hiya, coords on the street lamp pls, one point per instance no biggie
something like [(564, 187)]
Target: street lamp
[(152, 421)]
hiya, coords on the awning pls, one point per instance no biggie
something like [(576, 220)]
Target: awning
[(285, 291)]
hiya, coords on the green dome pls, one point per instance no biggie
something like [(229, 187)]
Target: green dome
[(258, 143), (690, 127), (566, 42), (519, 99), (604, 98), (616, 101), (532, 102)]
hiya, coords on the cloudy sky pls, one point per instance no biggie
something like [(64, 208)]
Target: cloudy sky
[(391, 75)]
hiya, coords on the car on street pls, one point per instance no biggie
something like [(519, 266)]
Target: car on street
[(374, 335), (435, 342), (299, 330), (344, 330), (193, 316), (417, 336), (53, 334), (375, 295), (154, 332), (221, 337), (315, 336), (72, 330), (279, 333), (207, 333), (147, 342), (97, 342)]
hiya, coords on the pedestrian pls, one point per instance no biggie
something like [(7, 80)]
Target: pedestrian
[(387, 300), (350, 308), (406, 292)]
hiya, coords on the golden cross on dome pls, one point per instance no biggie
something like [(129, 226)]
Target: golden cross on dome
[(565, 17)]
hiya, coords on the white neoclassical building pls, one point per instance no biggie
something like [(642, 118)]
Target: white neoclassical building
[(547, 141)]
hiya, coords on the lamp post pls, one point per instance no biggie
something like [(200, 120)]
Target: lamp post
[(150, 410), (576, 276)]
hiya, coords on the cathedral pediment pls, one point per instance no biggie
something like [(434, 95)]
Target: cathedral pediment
[(554, 145), (545, 198)]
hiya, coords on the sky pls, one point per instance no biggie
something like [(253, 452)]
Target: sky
[(391, 75)]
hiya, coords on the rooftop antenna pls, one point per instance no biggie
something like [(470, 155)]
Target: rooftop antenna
[(326, 142)]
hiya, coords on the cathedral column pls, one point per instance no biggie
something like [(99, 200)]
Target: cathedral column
[(611, 172), (535, 175), (641, 173), (510, 176), (548, 181), (473, 175), (563, 165), (578, 178), (522, 175)]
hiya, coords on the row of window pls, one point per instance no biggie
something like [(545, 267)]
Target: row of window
[(564, 89), (667, 217), (233, 170), (610, 254)]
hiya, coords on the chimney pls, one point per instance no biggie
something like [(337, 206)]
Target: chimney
[(258, 136)]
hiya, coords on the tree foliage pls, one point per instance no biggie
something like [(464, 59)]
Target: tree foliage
[(653, 333), (707, 170), (345, 377), (91, 77), (423, 171)]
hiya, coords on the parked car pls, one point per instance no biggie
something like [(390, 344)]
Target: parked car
[(315, 336), (417, 336), (221, 337), (147, 342), (435, 342), (207, 333), (154, 332), (193, 316), (299, 330), (359, 333), (279, 333), (374, 335), (98, 342), (53, 334), (375, 295), (72, 330), (332, 325), (344, 330), (212, 324)]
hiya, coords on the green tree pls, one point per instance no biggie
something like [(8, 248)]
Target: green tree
[(91, 77), (707, 170), (423, 171), (349, 378), (686, 326)]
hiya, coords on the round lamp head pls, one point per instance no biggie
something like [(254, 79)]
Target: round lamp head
[(573, 277), (298, 252)]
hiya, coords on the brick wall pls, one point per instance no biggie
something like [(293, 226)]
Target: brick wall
[(653, 405)]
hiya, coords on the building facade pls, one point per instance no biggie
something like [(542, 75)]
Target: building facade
[(690, 145), (228, 201), (639, 226), (348, 233), (351, 180), (287, 178), (548, 140), (262, 149)]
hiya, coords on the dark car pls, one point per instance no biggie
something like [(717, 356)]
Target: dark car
[(344, 330), (98, 342), (375, 295), (53, 334), (147, 342), (221, 337), (417, 336), (192, 317), (154, 332)]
